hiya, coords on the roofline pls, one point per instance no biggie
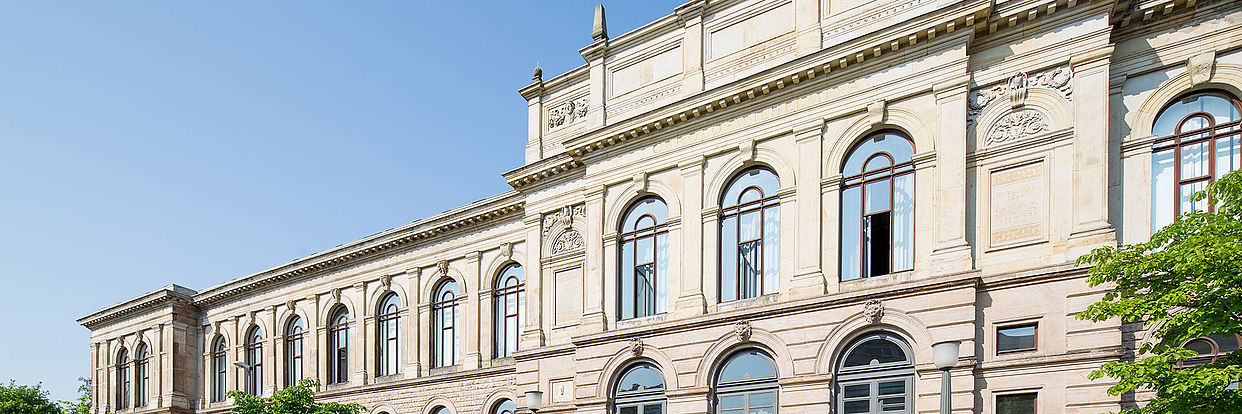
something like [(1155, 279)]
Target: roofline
[(166, 294)]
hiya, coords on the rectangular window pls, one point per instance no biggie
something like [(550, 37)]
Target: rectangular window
[(1015, 338), (1015, 404)]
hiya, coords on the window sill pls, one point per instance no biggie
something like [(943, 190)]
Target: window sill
[(388, 378), (642, 321), (745, 303), (884, 279), (444, 370)]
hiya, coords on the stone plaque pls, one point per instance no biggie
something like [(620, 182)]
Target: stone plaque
[(568, 296), (562, 390), (1018, 204)]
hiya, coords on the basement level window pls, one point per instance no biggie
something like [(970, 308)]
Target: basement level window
[(1015, 403), (1015, 338)]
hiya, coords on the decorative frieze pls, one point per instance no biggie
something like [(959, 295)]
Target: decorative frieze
[(568, 112), (1016, 125), (569, 240), (1016, 90), (562, 218)]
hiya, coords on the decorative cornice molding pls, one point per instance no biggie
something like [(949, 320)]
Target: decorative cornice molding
[(169, 295)]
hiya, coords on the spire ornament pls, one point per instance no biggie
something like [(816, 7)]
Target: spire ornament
[(599, 31)]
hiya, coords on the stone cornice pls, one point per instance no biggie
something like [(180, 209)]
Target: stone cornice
[(834, 58), (466, 217), (171, 294)]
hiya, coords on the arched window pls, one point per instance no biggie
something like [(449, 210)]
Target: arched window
[(219, 369), (338, 345), (875, 375), (643, 283), (441, 410), (747, 384), (122, 379), (640, 391), (444, 325), (295, 332), (510, 306), (1210, 348), (877, 207), (750, 232), (388, 360), (254, 361), (142, 375), (1198, 143), (505, 407)]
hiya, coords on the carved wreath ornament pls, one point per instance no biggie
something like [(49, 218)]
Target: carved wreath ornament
[(1016, 125)]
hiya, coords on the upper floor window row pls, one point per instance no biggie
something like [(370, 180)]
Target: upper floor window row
[(1197, 143)]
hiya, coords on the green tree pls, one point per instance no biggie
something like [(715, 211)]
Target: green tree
[(1184, 283), (25, 399), (298, 399), (83, 404)]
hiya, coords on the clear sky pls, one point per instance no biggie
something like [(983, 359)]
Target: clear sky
[(144, 143)]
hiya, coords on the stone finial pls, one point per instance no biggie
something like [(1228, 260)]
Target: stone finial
[(537, 77), (599, 31)]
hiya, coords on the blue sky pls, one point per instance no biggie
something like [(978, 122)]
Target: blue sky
[(145, 143)]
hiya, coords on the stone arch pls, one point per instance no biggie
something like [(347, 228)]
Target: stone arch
[(251, 323), (438, 402), (1226, 77), (630, 193), (380, 293), (913, 331), (434, 282), (729, 343), (383, 409), (736, 163), (908, 122), (497, 264), (283, 317), (625, 358), (496, 396), (1048, 103), (327, 310)]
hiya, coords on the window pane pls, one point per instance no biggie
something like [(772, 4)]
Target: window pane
[(903, 223), (653, 409), (747, 365), (875, 351), (891, 388), (749, 269), (876, 196), (645, 250), (662, 273), (1189, 190), (749, 229), (893, 404), (1220, 109), (627, 280), (1015, 338), (732, 402), (771, 249), (860, 406), (1015, 404), (762, 399), (728, 259), (628, 410), (1194, 160), (1162, 185), (851, 233), (854, 391), (1203, 347), (757, 177), (641, 378), (1228, 155), (897, 146)]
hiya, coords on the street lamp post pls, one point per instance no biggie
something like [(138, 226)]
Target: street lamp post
[(534, 401), (944, 355), (247, 369)]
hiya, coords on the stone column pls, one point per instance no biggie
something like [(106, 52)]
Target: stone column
[(806, 25), (487, 321), (316, 337), (534, 117), (533, 333), (411, 346), (424, 336), (710, 216), (102, 387), (272, 365), (690, 298), (808, 279), (473, 321), (1090, 85), (951, 252), (278, 346), (594, 55), (360, 335), (162, 374), (691, 16), (594, 269)]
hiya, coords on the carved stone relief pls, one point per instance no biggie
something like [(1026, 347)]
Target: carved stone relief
[(636, 346), (1016, 125), (1016, 90), (568, 240), (874, 310), (563, 217), (568, 112), (1200, 67), (742, 330)]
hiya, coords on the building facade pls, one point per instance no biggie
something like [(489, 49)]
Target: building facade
[(754, 206)]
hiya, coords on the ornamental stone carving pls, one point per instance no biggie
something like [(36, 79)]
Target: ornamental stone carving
[(569, 240), (1015, 126), (506, 250), (1017, 88), (568, 112), (742, 330), (1200, 67), (874, 310), (636, 346), (562, 218), (442, 267)]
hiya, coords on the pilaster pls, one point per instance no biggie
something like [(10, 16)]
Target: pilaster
[(412, 343), (593, 316), (691, 16), (808, 279), (690, 298), (472, 356), (594, 55), (360, 336), (951, 251), (533, 94), (806, 25), (1091, 227), (533, 332)]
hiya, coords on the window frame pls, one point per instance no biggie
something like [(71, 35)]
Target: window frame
[(874, 375), (997, 397), (863, 179), (388, 336), (736, 209), (1210, 135), (142, 375), (294, 350), (219, 369), (639, 399), (439, 306), (746, 387), (501, 295), (338, 346), (631, 239), (253, 376), (1034, 337), (123, 379), (1215, 355)]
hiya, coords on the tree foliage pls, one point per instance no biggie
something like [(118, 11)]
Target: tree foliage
[(298, 399), (25, 399), (83, 404), (1184, 283)]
